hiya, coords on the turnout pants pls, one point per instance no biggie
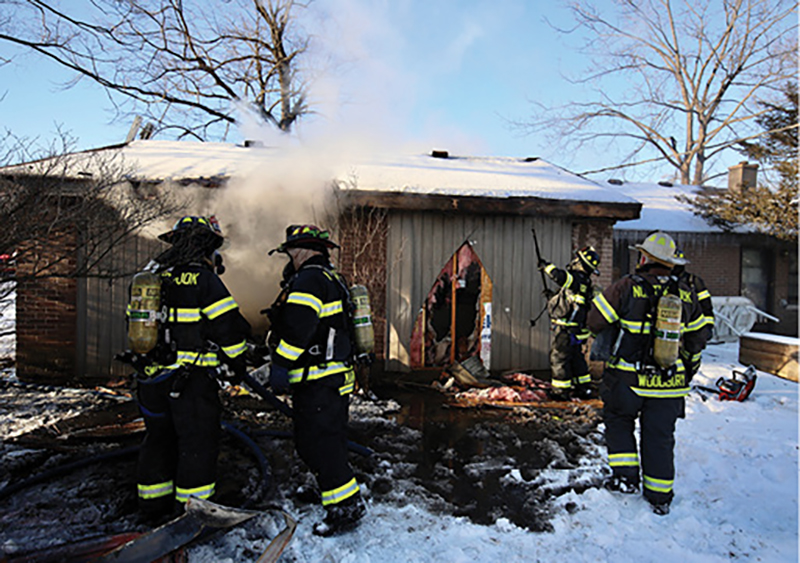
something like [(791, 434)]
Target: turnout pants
[(657, 417), (567, 361), (178, 456), (320, 436)]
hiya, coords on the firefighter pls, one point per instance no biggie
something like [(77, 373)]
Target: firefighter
[(312, 356), (177, 389), (568, 333), (634, 384), (703, 297)]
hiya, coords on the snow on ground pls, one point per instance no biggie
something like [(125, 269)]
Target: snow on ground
[(736, 495), (736, 499)]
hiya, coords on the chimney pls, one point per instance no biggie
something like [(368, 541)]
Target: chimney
[(742, 176)]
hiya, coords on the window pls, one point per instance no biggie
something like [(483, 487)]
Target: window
[(755, 276)]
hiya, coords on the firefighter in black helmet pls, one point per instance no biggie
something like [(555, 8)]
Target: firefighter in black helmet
[(312, 355), (637, 381), (178, 388), (568, 333)]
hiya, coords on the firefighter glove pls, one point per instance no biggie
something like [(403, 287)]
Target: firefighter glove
[(279, 378), (237, 368), (542, 263)]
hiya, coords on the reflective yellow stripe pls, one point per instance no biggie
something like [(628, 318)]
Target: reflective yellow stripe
[(219, 308), (623, 460), (155, 491), (622, 365), (185, 315), (562, 322), (204, 492), (587, 378), (703, 295), (578, 298), (305, 299), (330, 309), (235, 349), (342, 493), (658, 485), (561, 384), (349, 383), (605, 309), (209, 359), (288, 351), (635, 327), (318, 372), (696, 324), (661, 393)]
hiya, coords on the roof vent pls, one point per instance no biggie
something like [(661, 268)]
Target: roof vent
[(615, 181), (440, 154), (531, 159), (251, 143), (665, 184)]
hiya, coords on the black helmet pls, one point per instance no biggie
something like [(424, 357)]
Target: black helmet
[(306, 236), (590, 258), (205, 230)]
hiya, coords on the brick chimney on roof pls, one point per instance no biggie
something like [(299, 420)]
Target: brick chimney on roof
[(742, 176)]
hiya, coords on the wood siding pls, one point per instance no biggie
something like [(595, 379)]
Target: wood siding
[(420, 243), (101, 311)]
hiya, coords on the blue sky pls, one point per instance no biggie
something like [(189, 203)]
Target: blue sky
[(419, 74)]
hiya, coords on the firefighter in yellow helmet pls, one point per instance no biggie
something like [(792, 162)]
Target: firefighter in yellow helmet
[(177, 382), (313, 356), (568, 333), (645, 377)]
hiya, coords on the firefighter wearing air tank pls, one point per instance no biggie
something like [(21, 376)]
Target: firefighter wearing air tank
[(182, 323), (655, 320), (568, 333), (313, 353)]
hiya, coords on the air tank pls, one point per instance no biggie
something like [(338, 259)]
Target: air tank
[(667, 330), (362, 320), (143, 312)]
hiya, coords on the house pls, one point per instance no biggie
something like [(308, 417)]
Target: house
[(443, 243), (737, 263)]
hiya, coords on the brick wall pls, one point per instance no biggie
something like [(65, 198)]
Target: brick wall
[(600, 235), (46, 310), (719, 264), (362, 260)]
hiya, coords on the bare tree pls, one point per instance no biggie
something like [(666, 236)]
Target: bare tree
[(184, 66), (64, 213), (770, 208), (692, 71)]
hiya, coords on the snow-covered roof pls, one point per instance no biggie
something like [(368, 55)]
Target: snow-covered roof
[(661, 209), (412, 174), (496, 177)]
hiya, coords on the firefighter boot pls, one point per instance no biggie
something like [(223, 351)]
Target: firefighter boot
[(341, 517)]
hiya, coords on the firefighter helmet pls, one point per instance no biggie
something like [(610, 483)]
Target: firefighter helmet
[(203, 229), (306, 236), (660, 247), (590, 258)]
